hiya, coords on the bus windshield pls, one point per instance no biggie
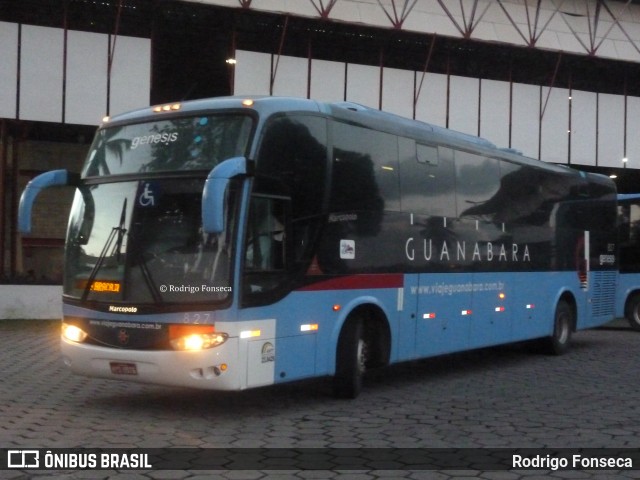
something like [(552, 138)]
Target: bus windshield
[(135, 231), (179, 144), (141, 241)]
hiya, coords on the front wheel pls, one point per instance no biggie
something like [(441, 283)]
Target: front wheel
[(351, 360), (558, 342), (632, 311)]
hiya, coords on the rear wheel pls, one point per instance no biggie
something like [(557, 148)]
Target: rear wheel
[(632, 311), (351, 360), (558, 342)]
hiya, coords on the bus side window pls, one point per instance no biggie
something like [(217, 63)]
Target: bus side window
[(634, 223), (427, 179), (292, 162), (629, 237), (266, 235), (365, 170), (478, 181)]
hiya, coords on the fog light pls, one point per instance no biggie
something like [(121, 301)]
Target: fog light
[(73, 333)]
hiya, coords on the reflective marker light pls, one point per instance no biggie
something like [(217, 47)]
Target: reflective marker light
[(499, 309), (195, 337), (312, 327), (530, 305), (465, 312), (250, 333), (73, 333), (428, 315), (167, 108)]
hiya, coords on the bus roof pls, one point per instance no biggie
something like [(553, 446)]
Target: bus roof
[(622, 197), (349, 112)]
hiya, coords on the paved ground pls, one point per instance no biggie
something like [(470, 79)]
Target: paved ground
[(502, 397)]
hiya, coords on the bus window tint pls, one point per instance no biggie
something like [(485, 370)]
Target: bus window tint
[(427, 179), (478, 181), (629, 234), (192, 143), (292, 161), (266, 235), (365, 169)]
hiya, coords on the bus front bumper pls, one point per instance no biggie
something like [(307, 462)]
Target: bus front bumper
[(216, 368)]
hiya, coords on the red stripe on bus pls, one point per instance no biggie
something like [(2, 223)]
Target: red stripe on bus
[(353, 282)]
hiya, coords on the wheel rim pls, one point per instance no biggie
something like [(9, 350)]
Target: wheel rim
[(636, 314), (562, 328), (362, 355)]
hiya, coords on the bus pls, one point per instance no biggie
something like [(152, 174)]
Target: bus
[(235, 243), (628, 289)]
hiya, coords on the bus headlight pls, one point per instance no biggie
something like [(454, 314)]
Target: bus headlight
[(73, 333), (195, 337)]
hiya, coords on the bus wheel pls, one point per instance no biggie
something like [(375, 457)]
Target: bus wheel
[(558, 342), (632, 312), (351, 360)]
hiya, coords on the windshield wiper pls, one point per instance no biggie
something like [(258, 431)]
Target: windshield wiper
[(118, 234)]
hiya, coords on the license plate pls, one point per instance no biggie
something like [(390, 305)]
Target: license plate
[(119, 368)]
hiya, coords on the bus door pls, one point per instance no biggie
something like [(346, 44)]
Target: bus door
[(444, 313)]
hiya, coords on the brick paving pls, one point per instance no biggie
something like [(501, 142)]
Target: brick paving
[(493, 398)]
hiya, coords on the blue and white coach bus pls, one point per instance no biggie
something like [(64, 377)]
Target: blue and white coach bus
[(628, 289), (229, 244)]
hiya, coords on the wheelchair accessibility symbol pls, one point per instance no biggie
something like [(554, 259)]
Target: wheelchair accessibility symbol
[(147, 194)]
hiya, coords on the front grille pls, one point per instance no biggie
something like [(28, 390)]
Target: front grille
[(124, 335)]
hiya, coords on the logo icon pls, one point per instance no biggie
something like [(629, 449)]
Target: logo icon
[(268, 353), (123, 336), (23, 459), (347, 249), (148, 196)]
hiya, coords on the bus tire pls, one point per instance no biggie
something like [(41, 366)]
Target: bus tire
[(632, 311), (351, 358), (558, 342)]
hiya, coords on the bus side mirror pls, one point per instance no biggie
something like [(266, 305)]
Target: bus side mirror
[(214, 192), (54, 178)]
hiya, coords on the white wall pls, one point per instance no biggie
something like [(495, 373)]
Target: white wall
[(464, 101), (431, 105), (583, 127), (51, 90), (494, 111), (533, 119), (633, 129), (130, 74), (555, 124), (87, 77), (610, 130), (525, 119), (41, 73), (363, 85), (327, 80), (9, 70)]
